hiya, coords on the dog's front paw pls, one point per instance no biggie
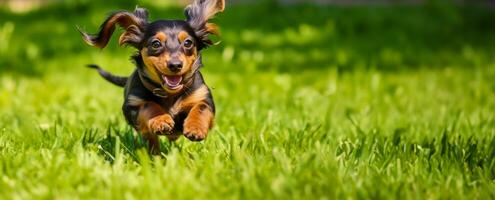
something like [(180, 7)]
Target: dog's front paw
[(195, 132), (161, 124)]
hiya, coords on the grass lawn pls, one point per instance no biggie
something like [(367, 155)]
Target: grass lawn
[(312, 103)]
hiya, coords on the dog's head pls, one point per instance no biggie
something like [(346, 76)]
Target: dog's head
[(169, 49)]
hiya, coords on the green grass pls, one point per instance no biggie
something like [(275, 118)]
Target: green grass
[(313, 103)]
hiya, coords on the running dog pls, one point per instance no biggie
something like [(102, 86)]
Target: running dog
[(166, 93)]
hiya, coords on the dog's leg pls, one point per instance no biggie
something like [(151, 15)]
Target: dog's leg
[(198, 122), (153, 143), (153, 121)]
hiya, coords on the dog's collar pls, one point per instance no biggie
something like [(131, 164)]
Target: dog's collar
[(157, 89)]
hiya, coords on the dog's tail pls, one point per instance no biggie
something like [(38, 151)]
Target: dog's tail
[(117, 80)]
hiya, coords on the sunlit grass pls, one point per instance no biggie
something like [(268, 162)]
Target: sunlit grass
[(306, 109)]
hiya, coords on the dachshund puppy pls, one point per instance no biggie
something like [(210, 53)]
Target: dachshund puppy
[(166, 94)]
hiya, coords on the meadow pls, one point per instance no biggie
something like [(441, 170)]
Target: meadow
[(313, 102)]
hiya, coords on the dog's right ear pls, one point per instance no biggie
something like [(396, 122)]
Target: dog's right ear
[(197, 16), (132, 23)]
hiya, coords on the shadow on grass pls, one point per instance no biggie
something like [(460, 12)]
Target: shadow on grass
[(448, 151), (122, 140)]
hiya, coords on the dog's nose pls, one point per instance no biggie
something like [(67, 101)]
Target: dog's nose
[(175, 65)]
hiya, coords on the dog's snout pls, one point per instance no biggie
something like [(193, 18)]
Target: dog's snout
[(175, 65)]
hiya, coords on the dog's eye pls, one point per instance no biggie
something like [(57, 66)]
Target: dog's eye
[(156, 44), (188, 43)]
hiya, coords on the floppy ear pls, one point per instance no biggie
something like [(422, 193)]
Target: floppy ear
[(198, 14), (132, 23)]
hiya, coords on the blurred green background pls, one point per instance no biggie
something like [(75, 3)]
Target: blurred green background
[(271, 35), (316, 99)]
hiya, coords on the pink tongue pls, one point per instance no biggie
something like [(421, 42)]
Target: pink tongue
[(173, 80)]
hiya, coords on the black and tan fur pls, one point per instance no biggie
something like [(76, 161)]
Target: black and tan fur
[(156, 103)]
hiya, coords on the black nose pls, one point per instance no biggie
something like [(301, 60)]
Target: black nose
[(175, 65)]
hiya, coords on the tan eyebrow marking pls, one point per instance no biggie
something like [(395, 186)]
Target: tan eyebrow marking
[(182, 36), (161, 36)]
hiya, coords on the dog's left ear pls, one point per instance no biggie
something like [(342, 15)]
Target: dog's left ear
[(198, 14)]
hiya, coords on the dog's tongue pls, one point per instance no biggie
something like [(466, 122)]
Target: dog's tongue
[(172, 81)]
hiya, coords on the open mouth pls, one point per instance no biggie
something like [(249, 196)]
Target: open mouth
[(172, 82)]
